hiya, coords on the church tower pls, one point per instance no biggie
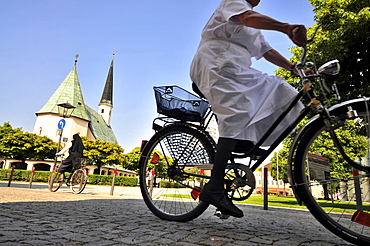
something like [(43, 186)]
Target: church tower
[(85, 120), (69, 91), (106, 102)]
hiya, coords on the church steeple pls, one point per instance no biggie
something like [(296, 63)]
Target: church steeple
[(106, 102), (68, 91)]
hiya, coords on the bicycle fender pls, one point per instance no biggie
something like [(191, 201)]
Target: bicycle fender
[(337, 109)]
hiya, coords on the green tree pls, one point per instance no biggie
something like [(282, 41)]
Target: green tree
[(102, 153), (131, 160), (15, 143), (344, 35), (355, 145), (5, 131), (279, 165)]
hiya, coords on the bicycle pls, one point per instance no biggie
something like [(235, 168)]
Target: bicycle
[(181, 149), (76, 179)]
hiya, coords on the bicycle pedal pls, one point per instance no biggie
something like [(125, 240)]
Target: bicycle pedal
[(222, 215)]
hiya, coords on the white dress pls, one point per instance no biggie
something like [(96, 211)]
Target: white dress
[(245, 100)]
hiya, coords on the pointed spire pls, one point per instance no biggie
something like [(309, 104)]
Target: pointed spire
[(107, 96), (68, 91)]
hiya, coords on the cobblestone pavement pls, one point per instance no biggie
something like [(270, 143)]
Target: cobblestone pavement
[(38, 217)]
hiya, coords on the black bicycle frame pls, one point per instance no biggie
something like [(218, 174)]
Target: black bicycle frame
[(284, 134)]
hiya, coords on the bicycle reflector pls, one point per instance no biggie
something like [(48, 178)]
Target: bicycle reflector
[(361, 218), (143, 143), (195, 192), (155, 158)]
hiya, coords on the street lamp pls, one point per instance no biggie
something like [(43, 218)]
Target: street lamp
[(65, 110)]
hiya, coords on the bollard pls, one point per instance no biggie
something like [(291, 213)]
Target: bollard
[(11, 176), (151, 182), (356, 180), (265, 189), (202, 179), (31, 177), (113, 181)]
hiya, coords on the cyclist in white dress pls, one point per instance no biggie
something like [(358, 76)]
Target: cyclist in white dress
[(245, 100)]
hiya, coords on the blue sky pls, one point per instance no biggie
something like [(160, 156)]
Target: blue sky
[(154, 42)]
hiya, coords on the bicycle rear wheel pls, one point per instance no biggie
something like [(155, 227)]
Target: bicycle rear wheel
[(78, 181), (54, 182), (168, 191), (337, 195)]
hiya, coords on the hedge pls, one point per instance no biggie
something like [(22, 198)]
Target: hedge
[(107, 180), (42, 176), (168, 184)]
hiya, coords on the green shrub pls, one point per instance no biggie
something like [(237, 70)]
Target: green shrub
[(168, 184), (42, 176), (107, 180), (24, 175)]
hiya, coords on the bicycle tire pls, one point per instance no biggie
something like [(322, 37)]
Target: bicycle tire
[(335, 212), (78, 181), (53, 181), (186, 146)]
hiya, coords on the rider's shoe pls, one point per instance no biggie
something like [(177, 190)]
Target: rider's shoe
[(221, 201)]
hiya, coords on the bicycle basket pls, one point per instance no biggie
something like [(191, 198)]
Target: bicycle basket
[(175, 102)]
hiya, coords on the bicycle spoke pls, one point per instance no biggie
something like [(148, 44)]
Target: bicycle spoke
[(167, 165), (337, 194)]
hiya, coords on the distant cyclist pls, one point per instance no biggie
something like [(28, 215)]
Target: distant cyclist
[(75, 148)]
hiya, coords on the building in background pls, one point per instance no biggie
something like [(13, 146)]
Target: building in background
[(84, 120), (89, 123)]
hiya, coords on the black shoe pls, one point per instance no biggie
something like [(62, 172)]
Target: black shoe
[(220, 201)]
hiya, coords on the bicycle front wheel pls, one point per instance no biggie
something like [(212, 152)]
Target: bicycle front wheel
[(167, 163), (78, 181), (54, 182), (336, 194)]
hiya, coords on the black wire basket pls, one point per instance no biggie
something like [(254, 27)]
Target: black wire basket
[(175, 102)]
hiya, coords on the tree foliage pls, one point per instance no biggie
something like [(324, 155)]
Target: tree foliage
[(103, 153), (354, 144), (14, 143), (343, 35), (131, 160)]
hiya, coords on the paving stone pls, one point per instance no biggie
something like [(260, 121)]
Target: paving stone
[(39, 217)]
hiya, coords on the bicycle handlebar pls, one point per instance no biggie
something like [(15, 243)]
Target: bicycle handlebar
[(301, 65)]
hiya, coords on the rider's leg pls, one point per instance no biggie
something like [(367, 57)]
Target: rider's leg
[(214, 192), (224, 148), (61, 177)]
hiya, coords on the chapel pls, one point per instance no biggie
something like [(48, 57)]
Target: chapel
[(84, 119)]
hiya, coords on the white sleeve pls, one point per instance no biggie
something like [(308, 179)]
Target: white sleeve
[(69, 145), (232, 8), (265, 46)]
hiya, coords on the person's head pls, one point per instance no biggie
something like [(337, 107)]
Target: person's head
[(254, 3), (76, 136)]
